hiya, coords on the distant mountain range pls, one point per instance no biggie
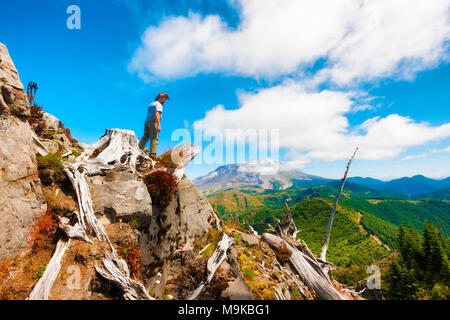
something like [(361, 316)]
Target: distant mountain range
[(265, 174), (270, 174), (414, 185)]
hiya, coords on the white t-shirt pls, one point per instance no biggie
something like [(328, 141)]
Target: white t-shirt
[(152, 108)]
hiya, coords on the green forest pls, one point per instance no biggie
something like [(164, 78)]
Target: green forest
[(369, 228), (422, 269)]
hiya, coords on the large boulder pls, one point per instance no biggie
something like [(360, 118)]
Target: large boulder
[(188, 217), (21, 197), (51, 122), (120, 195), (170, 245)]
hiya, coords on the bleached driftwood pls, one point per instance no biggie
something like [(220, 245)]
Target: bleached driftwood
[(86, 216), (214, 263), (284, 228), (312, 272), (76, 231), (119, 147), (250, 228), (116, 271), (40, 148), (181, 156), (308, 272), (294, 278), (278, 294), (41, 290)]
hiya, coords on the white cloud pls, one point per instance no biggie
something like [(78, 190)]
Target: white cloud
[(359, 40), (314, 126), (427, 154)]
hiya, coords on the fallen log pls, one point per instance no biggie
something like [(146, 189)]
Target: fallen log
[(308, 273)]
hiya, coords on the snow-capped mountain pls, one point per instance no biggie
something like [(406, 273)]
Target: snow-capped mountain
[(264, 173)]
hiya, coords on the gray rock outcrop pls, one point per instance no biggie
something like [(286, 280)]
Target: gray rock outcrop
[(21, 197), (13, 99), (120, 195), (188, 217)]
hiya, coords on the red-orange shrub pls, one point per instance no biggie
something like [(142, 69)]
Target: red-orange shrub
[(132, 257), (283, 253), (8, 294), (162, 186), (44, 229), (4, 266), (35, 117), (165, 161), (36, 114)]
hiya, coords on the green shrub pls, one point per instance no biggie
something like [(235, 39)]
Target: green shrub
[(237, 238), (296, 294), (248, 271), (208, 251), (51, 161), (76, 153), (40, 272)]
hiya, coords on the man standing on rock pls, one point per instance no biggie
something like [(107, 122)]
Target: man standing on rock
[(152, 126)]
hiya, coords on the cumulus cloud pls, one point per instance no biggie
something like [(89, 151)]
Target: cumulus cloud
[(354, 40), (358, 40), (314, 125)]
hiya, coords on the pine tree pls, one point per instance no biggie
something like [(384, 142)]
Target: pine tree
[(422, 270), (435, 257), (402, 283)]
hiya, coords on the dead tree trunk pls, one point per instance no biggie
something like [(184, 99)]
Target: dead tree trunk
[(116, 147), (323, 254), (311, 274), (311, 271)]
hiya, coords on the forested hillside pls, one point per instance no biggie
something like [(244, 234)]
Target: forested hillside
[(350, 243), (383, 217), (362, 212), (382, 212)]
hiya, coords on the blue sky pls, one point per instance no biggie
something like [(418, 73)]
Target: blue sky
[(380, 84)]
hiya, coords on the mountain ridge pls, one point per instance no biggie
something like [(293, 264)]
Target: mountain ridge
[(246, 175), (255, 174)]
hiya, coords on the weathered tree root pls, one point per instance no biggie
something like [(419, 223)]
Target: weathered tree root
[(86, 216), (41, 290), (119, 147), (214, 263), (132, 290), (75, 232)]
